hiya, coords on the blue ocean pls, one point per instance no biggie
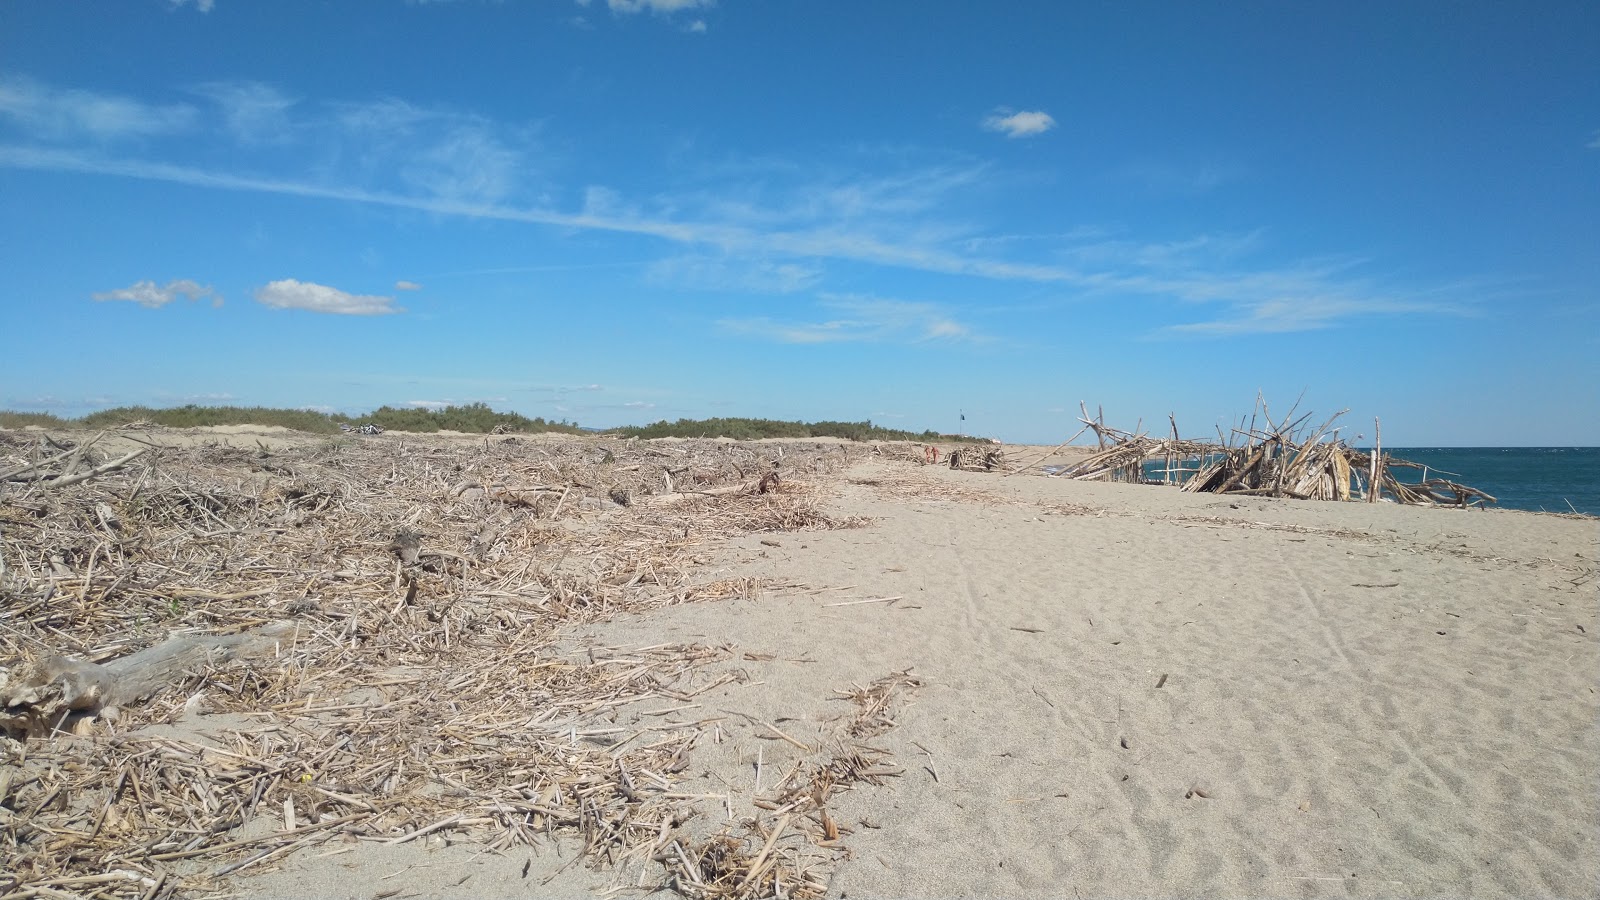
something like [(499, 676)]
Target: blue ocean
[(1541, 479), (1535, 478)]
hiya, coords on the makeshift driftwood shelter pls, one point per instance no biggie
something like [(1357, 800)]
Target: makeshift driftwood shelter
[(362, 639), (1279, 460)]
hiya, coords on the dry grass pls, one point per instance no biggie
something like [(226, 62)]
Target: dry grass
[(424, 688)]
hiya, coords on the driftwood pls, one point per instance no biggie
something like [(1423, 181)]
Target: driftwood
[(1277, 461), (683, 496), (977, 459), (41, 694)]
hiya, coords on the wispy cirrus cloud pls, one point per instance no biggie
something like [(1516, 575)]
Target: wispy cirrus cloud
[(291, 294), (660, 7), (1025, 123), (751, 225), (444, 153), (722, 273), (45, 112), (859, 318), (403, 285), (1308, 311), (253, 112), (384, 143), (1180, 179), (1093, 268), (153, 296)]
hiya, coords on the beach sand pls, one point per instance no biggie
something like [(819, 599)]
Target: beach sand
[(1134, 692)]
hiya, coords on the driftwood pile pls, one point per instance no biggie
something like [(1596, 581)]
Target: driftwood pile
[(364, 641), (1280, 460)]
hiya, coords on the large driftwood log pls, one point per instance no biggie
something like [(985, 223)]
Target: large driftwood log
[(41, 694), (682, 496)]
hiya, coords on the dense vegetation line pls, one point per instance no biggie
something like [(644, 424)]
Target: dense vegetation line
[(753, 429), (472, 418)]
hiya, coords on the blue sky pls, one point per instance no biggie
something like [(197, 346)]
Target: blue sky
[(643, 209)]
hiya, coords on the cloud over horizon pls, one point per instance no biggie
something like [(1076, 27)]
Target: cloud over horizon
[(291, 294)]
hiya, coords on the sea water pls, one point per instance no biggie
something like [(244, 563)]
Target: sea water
[(1544, 479), (1536, 478)]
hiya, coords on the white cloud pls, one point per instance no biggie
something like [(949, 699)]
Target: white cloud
[(1019, 124), (403, 285), (662, 7), (767, 224), (65, 114), (219, 397), (638, 404), (255, 113), (698, 26), (204, 6), (1595, 144), (292, 294), (860, 318), (428, 404), (152, 296)]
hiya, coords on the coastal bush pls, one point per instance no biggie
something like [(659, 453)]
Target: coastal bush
[(740, 429), (473, 418), (9, 419), (470, 418), (192, 416)]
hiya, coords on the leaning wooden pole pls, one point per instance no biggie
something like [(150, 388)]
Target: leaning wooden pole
[(1373, 485)]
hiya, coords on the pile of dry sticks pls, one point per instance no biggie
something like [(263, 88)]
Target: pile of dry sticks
[(211, 657), (1279, 460)]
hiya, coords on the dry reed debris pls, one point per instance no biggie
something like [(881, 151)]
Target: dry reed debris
[(414, 590)]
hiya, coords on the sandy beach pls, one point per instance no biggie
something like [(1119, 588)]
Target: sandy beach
[(1111, 691), (1132, 692)]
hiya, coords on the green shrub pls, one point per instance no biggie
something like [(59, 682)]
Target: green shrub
[(755, 429), (192, 416), (9, 419), (474, 418)]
